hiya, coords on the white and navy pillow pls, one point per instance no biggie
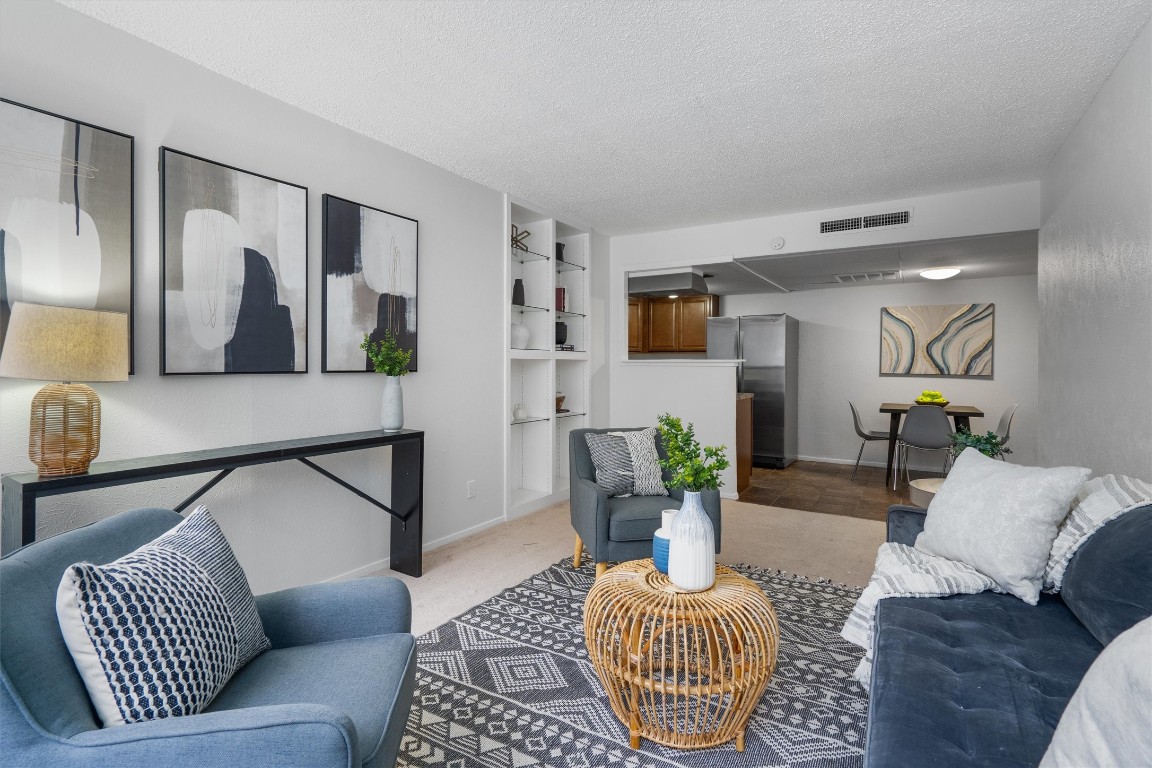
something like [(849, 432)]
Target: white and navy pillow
[(159, 632), (627, 463)]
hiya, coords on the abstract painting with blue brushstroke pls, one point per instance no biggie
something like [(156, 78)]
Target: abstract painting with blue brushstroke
[(235, 257), (370, 265), (937, 340)]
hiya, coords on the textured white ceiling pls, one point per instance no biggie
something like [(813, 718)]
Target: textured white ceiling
[(637, 116)]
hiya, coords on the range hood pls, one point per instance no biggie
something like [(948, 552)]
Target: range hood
[(685, 283)]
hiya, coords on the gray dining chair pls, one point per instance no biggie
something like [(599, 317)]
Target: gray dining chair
[(1004, 428), (866, 436), (926, 428)]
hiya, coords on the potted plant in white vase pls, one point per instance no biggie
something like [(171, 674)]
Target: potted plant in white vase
[(692, 548), (389, 359)]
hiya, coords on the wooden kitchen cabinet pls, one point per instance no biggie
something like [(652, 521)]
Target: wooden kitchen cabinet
[(743, 440), (658, 324), (663, 325), (637, 324), (694, 314)]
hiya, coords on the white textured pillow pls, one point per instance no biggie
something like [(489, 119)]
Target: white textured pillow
[(160, 631), (1108, 721), (1000, 519)]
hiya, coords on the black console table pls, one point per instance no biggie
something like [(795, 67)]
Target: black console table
[(20, 491)]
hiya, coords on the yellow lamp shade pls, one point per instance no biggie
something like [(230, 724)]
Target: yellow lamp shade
[(69, 345)]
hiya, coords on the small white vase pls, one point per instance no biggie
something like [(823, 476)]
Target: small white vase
[(692, 549), (392, 405), (519, 336)]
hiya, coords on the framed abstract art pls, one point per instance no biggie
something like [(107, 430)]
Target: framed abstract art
[(66, 213), (234, 269), (937, 340), (370, 279)]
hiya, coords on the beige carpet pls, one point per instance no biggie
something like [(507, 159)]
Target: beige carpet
[(467, 572)]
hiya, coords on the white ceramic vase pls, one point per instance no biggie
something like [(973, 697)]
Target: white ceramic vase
[(519, 336), (392, 405), (692, 549)]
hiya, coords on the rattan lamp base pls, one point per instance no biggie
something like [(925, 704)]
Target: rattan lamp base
[(64, 431)]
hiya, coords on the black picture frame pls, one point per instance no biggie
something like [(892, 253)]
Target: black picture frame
[(68, 187), (370, 282), (241, 239)]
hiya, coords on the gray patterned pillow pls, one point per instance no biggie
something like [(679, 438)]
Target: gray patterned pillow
[(613, 463), (647, 479), (627, 463), (160, 631)]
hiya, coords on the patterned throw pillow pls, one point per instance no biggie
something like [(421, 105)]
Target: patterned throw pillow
[(613, 463), (160, 631), (647, 479), (627, 463)]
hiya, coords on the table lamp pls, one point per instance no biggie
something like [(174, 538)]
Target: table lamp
[(68, 345)]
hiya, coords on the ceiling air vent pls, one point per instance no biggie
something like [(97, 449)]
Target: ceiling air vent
[(886, 219), (874, 221), (840, 225), (868, 277)]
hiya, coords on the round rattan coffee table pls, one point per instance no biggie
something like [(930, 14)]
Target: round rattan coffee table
[(683, 669)]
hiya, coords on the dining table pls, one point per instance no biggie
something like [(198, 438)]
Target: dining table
[(961, 414)]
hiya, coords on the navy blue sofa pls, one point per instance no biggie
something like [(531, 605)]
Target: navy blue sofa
[(983, 679)]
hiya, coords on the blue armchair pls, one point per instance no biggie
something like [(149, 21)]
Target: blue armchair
[(619, 528), (334, 689)]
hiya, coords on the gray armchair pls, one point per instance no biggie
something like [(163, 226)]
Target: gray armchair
[(334, 689), (619, 528)]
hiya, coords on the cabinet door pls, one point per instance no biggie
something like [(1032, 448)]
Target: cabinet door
[(663, 325), (694, 312), (637, 324)]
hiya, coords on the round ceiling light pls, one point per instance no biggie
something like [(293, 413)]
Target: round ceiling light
[(943, 273)]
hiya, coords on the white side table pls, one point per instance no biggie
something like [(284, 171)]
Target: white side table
[(921, 491)]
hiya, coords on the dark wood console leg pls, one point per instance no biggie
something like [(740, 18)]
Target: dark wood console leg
[(407, 499), (18, 518)]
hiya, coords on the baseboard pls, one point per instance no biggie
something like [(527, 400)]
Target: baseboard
[(917, 467), (826, 460), (382, 565)]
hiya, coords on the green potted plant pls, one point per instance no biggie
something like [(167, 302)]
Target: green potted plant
[(693, 468), (989, 444), (692, 545), (391, 360)]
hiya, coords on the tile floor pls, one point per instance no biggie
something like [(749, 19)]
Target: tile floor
[(829, 488)]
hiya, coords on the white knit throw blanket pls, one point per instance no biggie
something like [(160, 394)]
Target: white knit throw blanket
[(903, 571)]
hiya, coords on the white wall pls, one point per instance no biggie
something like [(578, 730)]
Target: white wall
[(600, 371), (840, 360), (1095, 281), (643, 390), (287, 524)]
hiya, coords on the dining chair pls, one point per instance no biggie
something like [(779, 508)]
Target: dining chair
[(866, 436), (1004, 428), (926, 427)]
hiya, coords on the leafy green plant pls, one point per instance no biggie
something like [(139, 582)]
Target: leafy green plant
[(386, 355), (693, 468), (988, 444)]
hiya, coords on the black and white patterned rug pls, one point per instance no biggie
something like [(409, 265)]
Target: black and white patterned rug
[(508, 684)]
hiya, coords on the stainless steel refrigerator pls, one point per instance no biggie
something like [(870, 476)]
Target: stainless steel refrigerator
[(769, 346)]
